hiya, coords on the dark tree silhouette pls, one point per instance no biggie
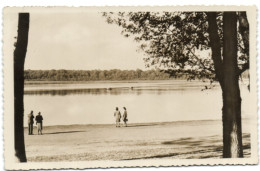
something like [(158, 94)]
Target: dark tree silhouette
[(97, 75), (201, 44), (227, 74), (19, 58)]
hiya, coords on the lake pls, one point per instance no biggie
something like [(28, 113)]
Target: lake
[(66, 103)]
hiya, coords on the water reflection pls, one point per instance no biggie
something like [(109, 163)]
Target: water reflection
[(112, 88), (98, 91)]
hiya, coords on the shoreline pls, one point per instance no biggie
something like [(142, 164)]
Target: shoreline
[(136, 123), (28, 82)]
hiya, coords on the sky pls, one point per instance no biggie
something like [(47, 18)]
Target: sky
[(80, 41)]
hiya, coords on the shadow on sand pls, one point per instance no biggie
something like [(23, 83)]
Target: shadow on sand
[(156, 156), (67, 132), (141, 125), (207, 148)]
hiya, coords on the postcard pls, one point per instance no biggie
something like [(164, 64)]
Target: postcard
[(102, 87)]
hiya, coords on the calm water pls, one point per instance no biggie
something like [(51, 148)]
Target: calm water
[(146, 101)]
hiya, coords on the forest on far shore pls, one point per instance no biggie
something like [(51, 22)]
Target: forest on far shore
[(100, 75)]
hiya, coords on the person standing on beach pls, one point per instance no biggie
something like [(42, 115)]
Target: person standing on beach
[(125, 117), (117, 115), (38, 120), (30, 123)]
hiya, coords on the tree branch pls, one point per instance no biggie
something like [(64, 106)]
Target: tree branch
[(245, 67), (244, 30), (201, 63)]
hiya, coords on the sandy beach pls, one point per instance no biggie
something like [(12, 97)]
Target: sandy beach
[(182, 140)]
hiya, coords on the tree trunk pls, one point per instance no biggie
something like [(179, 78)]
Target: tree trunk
[(232, 131), (215, 45), (19, 58), (227, 74)]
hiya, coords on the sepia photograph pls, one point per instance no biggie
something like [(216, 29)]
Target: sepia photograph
[(129, 86)]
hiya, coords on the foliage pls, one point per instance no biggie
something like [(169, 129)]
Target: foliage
[(176, 41)]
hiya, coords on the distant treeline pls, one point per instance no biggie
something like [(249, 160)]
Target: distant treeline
[(98, 75), (94, 75)]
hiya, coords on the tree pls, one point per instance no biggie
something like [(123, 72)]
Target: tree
[(199, 45), (19, 58)]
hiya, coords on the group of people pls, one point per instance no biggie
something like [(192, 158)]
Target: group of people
[(117, 115), (38, 120)]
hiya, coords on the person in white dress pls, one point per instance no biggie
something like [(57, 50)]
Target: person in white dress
[(117, 115)]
